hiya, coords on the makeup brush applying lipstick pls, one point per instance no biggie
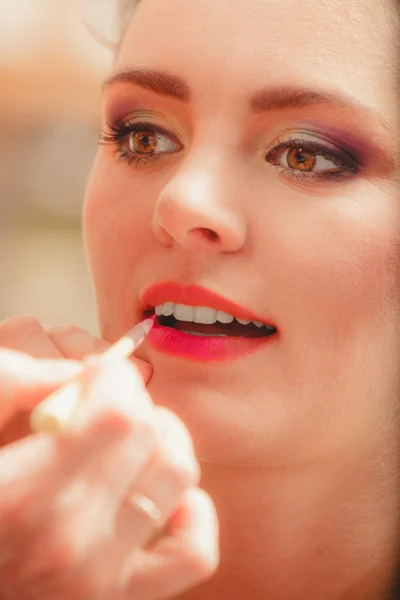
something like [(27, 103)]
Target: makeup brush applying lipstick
[(55, 413)]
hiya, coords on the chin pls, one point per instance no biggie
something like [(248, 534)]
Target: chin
[(226, 430)]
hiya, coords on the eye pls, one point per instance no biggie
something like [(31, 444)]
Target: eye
[(303, 156), (306, 159), (140, 142), (150, 142)]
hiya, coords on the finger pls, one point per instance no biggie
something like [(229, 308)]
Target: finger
[(23, 334), (15, 428), (188, 556), (77, 344), (113, 406), (165, 477), (83, 510), (24, 382), (185, 558), (32, 471), (172, 470), (163, 480), (26, 334)]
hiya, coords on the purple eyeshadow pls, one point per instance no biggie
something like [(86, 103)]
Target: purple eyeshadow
[(351, 143)]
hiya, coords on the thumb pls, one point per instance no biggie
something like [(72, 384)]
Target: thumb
[(145, 369), (25, 381)]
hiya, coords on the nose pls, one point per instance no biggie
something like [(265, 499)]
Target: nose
[(198, 209)]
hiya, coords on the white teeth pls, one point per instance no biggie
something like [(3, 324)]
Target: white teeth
[(184, 313), (168, 308), (223, 317), (200, 314), (258, 324), (204, 315)]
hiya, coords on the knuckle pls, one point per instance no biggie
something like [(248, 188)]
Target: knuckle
[(172, 429), (185, 471), (74, 342), (20, 324), (63, 331), (117, 423)]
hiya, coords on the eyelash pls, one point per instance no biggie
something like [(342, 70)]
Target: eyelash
[(350, 166), (122, 130)]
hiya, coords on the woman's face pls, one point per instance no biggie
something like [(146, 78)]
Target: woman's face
[(271, 136)]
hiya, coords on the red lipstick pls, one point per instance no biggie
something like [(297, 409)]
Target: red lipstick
[(201, 347)]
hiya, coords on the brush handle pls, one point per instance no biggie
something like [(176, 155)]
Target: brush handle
[(55, 412)]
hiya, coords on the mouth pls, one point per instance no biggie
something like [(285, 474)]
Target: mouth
[(204, 321), (197, 311), (197, 324)]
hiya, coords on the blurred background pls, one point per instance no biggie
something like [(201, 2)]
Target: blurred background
[(50, 77)]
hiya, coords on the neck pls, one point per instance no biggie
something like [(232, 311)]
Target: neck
[(317, 531)]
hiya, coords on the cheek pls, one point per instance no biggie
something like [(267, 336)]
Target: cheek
[(338, 263), (117, 219)]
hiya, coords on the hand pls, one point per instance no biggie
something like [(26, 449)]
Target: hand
[(24, 382), (68, 529), (25, 334)]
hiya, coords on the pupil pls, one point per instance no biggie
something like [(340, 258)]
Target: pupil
[(145, 142), (300, 157)]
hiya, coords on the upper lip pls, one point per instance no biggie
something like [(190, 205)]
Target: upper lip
[(195, 295)]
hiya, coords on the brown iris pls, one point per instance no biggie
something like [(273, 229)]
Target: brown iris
[(144, 142), (300, 159)]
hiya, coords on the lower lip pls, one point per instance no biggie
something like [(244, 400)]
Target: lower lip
[(203, 348)]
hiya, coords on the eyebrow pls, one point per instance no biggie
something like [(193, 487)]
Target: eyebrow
[(159, 82), (269, 98)]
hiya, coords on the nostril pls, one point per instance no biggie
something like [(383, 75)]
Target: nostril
[(210, 234)]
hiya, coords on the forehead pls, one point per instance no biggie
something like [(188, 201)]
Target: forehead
[(228, 47)]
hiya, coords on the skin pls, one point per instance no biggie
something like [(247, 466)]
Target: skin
[(101, 547), (307, 428), (26, 335)]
